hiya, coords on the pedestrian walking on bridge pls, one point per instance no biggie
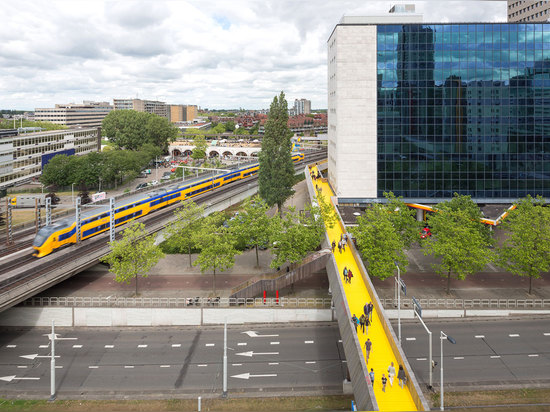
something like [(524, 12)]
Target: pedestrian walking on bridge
[(391, 373), (368, 348), (333, 246), (362, 321), (401, 376), (355, 321)]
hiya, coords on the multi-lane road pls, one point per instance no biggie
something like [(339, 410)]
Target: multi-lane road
[(488, 353), (174, 361)]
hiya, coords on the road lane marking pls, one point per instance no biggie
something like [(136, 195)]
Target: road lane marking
[(210, 344), (44, 346), (142, 346), (15, 346), (309, 362), (248, 375), (458, 357), (344, 361), (339, 340), (236, 364), (252, 353), (164, 366), (495, 357), (308, 341), (479, 336), (176, 345), (109, 346), (93, 367), (128, 367), (546, 334), (273, 363), (533, 356), (241, 344), (202, 366), (274, 343), (514, 335), (22, 367), (421, 359), (77, 346), (410, 338)]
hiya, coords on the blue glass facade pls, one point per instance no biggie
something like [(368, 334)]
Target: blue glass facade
[(464, 108)]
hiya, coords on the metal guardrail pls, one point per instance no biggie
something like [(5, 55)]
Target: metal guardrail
[(470, 303), (71, 301)]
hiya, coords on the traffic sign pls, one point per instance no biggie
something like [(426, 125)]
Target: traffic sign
[(417, 308)]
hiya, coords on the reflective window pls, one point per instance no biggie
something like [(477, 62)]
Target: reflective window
[(464, 108)]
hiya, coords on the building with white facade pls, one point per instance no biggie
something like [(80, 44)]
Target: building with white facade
[(87, 114), (22, 156), (139, 105), (302, 106)]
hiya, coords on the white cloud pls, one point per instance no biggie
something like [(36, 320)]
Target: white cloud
[(213, 53)]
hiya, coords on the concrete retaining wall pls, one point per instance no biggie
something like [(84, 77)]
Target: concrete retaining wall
[(464, 313), (122, 317)]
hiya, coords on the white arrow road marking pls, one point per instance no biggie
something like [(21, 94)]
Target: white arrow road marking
[(253, 334), (36, 355), (248, 375), (12, 377), (252, 353)]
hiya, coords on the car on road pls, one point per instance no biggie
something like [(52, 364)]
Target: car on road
[(425, 233), (142, 186), (154, 182)]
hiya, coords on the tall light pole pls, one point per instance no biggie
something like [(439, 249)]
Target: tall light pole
[(450, 339), (399, 285)]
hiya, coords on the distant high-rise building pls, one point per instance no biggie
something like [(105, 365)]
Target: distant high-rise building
[(148, 106), (302, 106), (87, 114), (523, 11)]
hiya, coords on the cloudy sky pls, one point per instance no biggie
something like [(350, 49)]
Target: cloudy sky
[(212, 53)]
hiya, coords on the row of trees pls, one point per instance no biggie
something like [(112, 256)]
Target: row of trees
[(216, 238), (87, 170), (460, 242)]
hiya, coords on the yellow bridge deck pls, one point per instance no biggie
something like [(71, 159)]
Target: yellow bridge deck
[(381, 355)]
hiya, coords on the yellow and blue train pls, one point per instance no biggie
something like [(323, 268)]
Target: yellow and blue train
[(63, 232)]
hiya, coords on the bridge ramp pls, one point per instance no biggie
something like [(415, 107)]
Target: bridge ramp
[(382, 352)]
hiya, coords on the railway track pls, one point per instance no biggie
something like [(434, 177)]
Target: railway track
[(32, 268)]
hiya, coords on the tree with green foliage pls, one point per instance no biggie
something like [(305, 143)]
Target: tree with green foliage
[(526, 248), (217, 245), (403, 219), (460, 241), (276, 176), (252, 225), (380, 242), (218, 129), (182, 231), (134, 255), (130, 130), (327, 210), (230, 126), (199, 151), (294, 235)]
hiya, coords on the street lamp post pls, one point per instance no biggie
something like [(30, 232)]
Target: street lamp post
[(450, 339), (399, 285)]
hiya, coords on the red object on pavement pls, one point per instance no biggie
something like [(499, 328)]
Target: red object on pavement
[(277, 295), (264, 296)]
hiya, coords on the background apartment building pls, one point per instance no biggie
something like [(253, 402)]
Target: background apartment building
[(87, 114), (528, 11), (148, 106), (302, 106), (182, 113)]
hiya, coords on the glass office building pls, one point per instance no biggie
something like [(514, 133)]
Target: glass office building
[(463, 108)]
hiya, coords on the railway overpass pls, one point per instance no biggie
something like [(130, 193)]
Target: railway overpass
[(348, 299), (24, 276)]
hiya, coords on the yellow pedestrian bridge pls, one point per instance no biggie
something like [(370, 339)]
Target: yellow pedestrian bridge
[(349, 299)]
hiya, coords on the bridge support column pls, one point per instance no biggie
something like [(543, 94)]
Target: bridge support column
[(419, 215)]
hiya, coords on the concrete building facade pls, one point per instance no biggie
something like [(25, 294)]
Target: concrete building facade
[(87, 114), (528, 11), (22, 156), (302, 106)]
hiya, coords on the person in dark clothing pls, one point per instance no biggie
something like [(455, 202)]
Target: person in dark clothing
[(401, 376), (362, 321), (354, 320)]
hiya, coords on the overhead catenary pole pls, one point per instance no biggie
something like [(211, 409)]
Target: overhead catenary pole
[(48, 211), (112, 219), (78, 213)]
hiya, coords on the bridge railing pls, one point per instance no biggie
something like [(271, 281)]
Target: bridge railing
[(470, 303), (142, 302)]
